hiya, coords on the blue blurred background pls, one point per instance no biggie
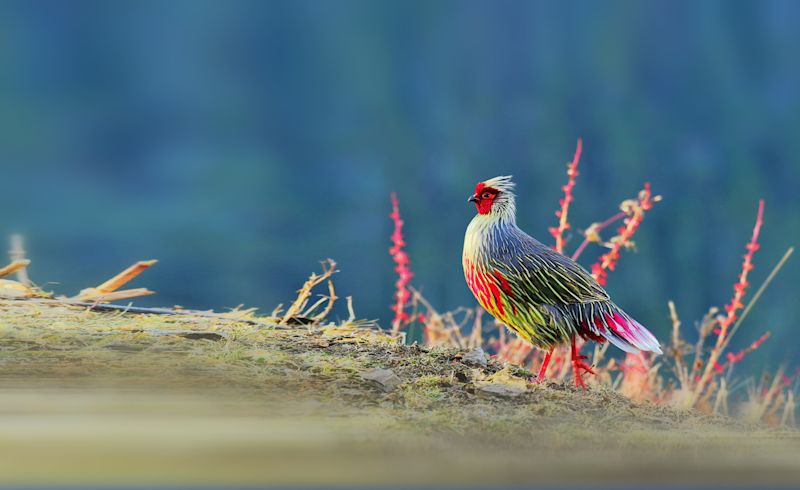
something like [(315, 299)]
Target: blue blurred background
[(241, 142)]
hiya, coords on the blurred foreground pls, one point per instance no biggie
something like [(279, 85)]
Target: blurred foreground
[(91, 397)]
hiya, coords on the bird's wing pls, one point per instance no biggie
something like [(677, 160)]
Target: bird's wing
[(540, 275), (566, 294)]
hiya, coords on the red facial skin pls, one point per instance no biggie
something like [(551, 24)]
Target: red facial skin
[(484, 197)]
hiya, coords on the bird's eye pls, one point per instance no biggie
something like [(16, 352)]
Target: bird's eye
[(486, 195)]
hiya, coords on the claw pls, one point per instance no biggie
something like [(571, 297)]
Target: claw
[(578, 365)]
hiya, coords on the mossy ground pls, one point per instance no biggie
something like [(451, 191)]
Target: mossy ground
[(109, 397)]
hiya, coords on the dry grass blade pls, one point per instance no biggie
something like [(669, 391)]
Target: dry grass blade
[(300, 303), (435, 328), (788, 418), (126, 276), (707, 325), (476, 336), (17, 253), (678, 348), (108, 290), (19, 288), (721, 403), (351, 313), (765, 400), (120, 295), (330, 298), (14, 266)]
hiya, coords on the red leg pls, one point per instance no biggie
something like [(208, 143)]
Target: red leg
[(545, 362), (578, 365)]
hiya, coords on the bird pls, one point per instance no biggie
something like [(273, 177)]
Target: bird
[(543, 296)]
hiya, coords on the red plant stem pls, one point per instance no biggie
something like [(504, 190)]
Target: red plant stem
[(563, 212), (597, 229), (733, 358), (403, 269), (740, 287), (608, 261), (739, 290)]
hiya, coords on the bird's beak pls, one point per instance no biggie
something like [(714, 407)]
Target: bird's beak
[(473, 198)]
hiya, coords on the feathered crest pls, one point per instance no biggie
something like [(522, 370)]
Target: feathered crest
[(502, 206), (502, 183)]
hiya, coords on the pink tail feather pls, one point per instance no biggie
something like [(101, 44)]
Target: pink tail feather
[(624, 332)]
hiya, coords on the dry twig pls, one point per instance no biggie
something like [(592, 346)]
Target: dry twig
[(298, 306), (108, 291), (17, 253)]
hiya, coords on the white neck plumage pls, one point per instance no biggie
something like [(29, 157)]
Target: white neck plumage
[(484, 229)]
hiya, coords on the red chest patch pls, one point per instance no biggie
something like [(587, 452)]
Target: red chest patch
[(488, 288), (503, 282)]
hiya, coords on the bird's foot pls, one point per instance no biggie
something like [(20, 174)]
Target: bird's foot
[(578, 368)]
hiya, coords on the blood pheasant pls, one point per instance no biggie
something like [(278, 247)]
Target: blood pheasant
[(543, 296)]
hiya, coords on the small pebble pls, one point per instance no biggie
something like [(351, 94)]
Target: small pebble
[(385, 379), (475, 356)]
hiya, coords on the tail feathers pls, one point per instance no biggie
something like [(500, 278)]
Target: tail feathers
[(616, 326)]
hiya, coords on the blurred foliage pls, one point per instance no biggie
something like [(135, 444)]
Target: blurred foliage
[(241, 142)]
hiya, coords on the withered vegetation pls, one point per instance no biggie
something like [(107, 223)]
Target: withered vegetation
[(94, 392), (695, 374), (188, 397)]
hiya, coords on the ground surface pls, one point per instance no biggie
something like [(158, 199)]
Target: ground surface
[(90, 397)]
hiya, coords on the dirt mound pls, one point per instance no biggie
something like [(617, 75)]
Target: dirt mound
[(98, 397)]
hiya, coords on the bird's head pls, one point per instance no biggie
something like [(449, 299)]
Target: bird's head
[(495, 197)]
